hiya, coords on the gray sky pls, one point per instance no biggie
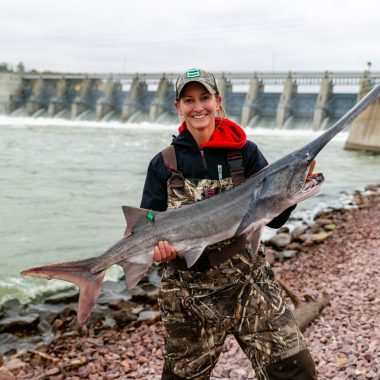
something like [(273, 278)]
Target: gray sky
[(164, 36)]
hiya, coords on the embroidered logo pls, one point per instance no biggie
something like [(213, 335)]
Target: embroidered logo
[(193, 73)]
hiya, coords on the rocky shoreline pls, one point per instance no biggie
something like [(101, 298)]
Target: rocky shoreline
[(123, 338)]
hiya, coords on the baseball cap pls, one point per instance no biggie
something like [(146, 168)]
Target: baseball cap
[(196, 75)]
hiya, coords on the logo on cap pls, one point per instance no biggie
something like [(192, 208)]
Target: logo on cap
[(193, 73)]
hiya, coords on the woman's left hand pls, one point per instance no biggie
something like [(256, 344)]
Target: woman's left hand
[(163, 251)]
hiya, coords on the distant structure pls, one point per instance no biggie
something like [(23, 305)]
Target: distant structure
[(365, 131), (265, 99)]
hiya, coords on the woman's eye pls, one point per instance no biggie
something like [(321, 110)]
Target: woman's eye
[(188, 101), (206, 97)]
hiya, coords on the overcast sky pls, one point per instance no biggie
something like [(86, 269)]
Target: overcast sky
[(172, 36)]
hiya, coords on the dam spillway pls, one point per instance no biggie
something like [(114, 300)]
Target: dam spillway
[(269, 99)]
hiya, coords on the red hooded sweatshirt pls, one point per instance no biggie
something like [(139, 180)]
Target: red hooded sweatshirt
[(227, 134)]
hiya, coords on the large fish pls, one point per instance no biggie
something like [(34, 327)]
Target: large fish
[(243, 210)]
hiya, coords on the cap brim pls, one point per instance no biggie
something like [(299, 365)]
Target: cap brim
[(211, 90)]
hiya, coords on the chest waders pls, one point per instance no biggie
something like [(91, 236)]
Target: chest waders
[(225, 292), (183, 191)]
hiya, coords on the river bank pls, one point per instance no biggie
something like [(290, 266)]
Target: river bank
[(339, 253)]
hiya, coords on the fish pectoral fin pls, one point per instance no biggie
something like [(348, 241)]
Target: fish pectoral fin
[(78, 273), (136, 217), (254, 237), (192, 254), (133, 272)]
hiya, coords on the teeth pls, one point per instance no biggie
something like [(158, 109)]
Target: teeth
[(199, 116)]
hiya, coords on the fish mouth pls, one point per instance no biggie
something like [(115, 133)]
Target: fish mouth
[(312, 182)]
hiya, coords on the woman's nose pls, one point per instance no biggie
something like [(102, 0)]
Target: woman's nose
[(198, 106)]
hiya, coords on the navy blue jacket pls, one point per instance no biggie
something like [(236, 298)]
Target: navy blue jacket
[(191, 165)]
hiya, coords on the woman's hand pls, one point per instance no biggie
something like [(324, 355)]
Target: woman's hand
[(163, 251)]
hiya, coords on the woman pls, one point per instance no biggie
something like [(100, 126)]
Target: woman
[(201, 305)]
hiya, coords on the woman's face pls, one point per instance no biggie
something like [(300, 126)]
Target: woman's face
[(198, 107)]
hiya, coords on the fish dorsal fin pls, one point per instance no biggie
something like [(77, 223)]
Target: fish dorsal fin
[(136, 217)]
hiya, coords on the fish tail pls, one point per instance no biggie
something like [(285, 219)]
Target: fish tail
[(78, 273)]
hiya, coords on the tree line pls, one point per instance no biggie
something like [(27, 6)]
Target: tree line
[(7, 68)]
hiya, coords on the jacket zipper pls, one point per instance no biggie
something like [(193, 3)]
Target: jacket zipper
[(204, 161)]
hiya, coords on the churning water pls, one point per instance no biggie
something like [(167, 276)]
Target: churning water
[(62, 185)]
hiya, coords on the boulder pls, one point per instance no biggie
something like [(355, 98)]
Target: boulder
[(48, 312), (286, 254), (294, 246), (65, 297), (151, 293), (113, 286), (321, 237), (8, 344), (322, 221), (12, 307), (149, 316), (280, 240), (329, 227), (19, 323), (123, 317), (297, 232)]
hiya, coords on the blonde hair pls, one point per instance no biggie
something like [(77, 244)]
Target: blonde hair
[(221, 113)]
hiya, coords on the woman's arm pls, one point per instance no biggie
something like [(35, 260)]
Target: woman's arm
[(155, 198)]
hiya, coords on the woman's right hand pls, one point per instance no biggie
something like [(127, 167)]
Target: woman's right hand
[(163, 251)]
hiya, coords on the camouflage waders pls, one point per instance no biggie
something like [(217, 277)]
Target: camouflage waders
[(239, 297)]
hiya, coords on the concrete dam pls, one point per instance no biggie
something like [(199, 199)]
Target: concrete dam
[(288, 100)]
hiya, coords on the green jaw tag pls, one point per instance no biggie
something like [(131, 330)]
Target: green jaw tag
[(150, 216), (193, 73)]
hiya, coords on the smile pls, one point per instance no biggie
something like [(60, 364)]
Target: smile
[(198, 116)]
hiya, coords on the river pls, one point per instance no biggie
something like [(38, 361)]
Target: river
[(62, 185)]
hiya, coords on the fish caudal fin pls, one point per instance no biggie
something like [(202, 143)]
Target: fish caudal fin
[(78, 273)]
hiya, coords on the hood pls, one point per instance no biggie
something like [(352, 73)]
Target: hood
[(227, 135)]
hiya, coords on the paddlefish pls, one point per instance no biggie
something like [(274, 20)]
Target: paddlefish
[(242, 210)]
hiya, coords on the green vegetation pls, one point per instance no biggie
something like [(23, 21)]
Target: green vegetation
[(7, 68)]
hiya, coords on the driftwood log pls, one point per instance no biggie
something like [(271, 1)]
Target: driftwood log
[(306, 310)]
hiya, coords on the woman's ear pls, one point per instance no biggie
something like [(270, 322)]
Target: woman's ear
[(176, 103), (218, 102)]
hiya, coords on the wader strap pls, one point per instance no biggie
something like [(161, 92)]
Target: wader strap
[(212, 258), (176, 181), (236, 166)]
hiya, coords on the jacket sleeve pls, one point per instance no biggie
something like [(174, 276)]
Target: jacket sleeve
[(254, 161), (154, 195)]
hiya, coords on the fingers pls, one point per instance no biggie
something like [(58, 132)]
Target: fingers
[(163, 251)]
